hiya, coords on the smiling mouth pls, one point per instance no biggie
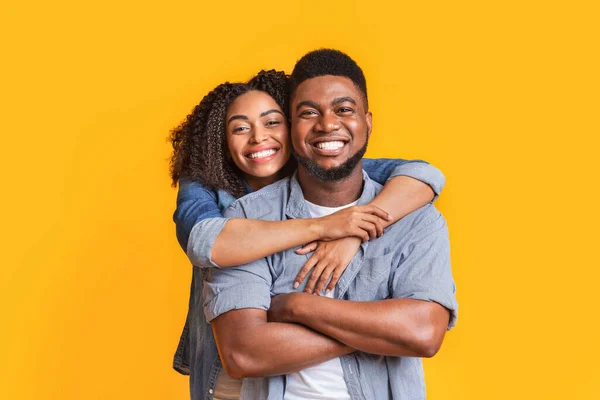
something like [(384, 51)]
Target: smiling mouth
[(262, 154), (329, 148), (333, 145)]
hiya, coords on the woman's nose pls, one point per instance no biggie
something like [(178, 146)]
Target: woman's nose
[(259, 135)]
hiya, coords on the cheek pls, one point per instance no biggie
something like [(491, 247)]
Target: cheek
[(300, 132), (284, 139), (357, 126), (235, 146)]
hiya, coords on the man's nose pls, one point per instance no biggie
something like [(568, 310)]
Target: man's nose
[(328, 123)]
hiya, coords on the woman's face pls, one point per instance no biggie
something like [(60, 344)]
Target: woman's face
[(258, 138)]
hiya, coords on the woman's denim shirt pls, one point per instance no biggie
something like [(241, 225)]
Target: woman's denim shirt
[(199, 221)]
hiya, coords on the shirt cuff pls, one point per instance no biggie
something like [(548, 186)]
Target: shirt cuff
[(245, 295), (202, 239), (424, 172), (444, 300)]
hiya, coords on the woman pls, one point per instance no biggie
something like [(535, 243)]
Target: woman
[(237, 141)]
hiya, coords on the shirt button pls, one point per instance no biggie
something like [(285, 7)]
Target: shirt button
[(210, 391)]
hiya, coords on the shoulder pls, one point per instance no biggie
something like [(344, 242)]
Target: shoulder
[(262, 203), (193, 190)]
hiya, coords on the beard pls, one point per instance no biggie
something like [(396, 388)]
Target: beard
[(332, 174)]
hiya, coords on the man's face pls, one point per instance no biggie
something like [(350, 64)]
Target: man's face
[(329, 125)]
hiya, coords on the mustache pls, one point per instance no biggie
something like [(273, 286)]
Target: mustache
[(332, 174)]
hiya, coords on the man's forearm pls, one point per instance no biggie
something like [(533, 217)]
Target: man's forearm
[(250, 346), (393, 327)]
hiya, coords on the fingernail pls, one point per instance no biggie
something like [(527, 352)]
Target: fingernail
[(296, 284), (390, 218), (327, 291)]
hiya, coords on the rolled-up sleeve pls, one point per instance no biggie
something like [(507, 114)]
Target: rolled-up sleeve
[(424, 271), (423, 172), (245, 286), (202, 239)]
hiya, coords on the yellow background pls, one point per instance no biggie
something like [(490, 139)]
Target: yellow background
[(502, 96)]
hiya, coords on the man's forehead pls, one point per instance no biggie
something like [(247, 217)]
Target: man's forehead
[(326, 88)]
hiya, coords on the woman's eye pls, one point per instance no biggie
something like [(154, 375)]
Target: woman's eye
[(239, 129), (273, 123)]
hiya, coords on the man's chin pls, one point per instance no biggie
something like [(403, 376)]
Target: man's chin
[(332, 171), (329, 166)]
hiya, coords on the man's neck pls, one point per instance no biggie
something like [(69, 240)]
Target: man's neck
[(331, 194)]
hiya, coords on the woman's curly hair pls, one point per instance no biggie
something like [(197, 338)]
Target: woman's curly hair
[(200, 151)]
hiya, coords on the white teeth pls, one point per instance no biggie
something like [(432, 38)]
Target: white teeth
[(330, 145), (262, 154)]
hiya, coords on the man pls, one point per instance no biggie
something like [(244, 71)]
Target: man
[(392, 305)]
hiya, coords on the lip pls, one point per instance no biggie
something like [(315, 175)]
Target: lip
[(329, 152), (259, 149)]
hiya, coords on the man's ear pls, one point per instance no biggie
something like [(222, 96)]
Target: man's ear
[(369, 118)]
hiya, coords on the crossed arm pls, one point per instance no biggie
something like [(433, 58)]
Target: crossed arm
[(250, 345), (301, 330)]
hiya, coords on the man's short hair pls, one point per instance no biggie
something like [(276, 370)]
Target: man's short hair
[(328, 62)]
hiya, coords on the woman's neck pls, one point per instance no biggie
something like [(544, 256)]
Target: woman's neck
[(257, 183)]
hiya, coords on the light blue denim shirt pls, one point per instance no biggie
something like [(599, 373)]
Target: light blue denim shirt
[(199, 221), (411, 260)]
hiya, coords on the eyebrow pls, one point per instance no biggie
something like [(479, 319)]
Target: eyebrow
[(262, 114), (234, 117), (307, 103), (245, 118), (340, 100), (335, 102)]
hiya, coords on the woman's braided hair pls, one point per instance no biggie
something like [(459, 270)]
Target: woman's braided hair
[(200, 151)]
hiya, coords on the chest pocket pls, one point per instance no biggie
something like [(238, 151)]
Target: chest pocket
[(284, 269), (372, 280)]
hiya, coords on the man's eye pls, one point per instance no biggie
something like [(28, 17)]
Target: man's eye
[(345, 110), (308, 113)]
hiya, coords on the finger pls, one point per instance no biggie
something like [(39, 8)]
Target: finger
[(361, 233), (377, 223), (308, 265), (312, 280), (323, 279), (374, 210), (307, 248), (369, 228), (335, 277)]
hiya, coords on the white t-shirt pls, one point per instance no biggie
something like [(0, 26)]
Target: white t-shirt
[(326, 380)]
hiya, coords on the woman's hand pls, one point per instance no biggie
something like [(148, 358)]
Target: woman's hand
[(329, 259), (365, 222)]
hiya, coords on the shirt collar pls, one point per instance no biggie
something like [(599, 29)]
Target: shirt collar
[(296, 206)]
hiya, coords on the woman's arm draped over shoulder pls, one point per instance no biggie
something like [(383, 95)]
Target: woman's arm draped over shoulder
[(211, 240), (408, 185)]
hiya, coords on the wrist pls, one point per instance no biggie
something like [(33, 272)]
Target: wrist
[(294, 307), (316, 228)]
